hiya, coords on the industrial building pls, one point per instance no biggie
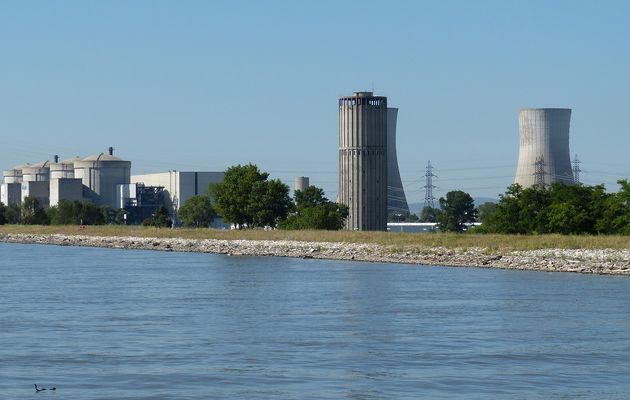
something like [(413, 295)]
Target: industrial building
[(544, 156), (100, 174), (92, 179), (363, 160), (396, 199), (179, 186), (105, 180)]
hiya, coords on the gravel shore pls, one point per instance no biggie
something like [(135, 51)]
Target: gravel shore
[(600, 261)]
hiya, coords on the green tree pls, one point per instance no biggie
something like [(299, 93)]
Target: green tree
[(89, 214), (33, 213), (456, 209), (197, 212), (109, 214), (120, 216), (314, 211), (615, 212), (161, 218), (485, 210), (427, 214), (64, 213), (13, 214), (3, 209), (246, 198)]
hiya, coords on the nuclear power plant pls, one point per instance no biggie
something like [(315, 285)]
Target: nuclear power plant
[(396, 199), (363, 160), (104, 180), (544, 156)]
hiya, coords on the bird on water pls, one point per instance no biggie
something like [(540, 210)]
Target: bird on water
[(37, 389)]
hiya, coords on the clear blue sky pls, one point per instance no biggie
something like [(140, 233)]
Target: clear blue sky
[(208, 84)]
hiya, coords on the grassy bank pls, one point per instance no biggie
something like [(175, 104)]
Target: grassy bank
[(401, 241)]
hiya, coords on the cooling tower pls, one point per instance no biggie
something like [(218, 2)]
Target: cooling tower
[(543, 156), (396, 199), (363, 160)]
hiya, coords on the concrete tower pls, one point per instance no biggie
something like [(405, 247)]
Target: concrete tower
[(301, 183), (543, 156), (396, 199), (363, 160)]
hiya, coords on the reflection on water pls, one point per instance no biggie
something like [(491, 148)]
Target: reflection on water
[(104, 324)]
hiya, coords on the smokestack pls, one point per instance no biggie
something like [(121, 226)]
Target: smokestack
[(56, 158), (111, 151)]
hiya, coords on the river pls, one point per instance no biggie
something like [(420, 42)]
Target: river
[(131, 324)]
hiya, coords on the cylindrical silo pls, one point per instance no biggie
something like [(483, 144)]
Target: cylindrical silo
[(63, 169), (13, 175), (101, 173), (363, 160), (38, 172), (544, 155), (301, 183), (396, 199)]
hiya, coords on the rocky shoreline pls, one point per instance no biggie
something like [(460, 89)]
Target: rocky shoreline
[(599, 261)]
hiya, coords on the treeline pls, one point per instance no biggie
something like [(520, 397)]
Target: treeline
[(564, 209), (67, 212), (247, 198)]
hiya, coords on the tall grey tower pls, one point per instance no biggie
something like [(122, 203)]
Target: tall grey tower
[(543, 156), (363, 160), (396, 199)]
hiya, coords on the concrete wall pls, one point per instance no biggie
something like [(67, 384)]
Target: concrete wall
[(396, 199), (11, 193), (544, 135), (37, 189), (363, 160), (65, 189)]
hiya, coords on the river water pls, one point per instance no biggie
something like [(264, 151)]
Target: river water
[(129, 324)]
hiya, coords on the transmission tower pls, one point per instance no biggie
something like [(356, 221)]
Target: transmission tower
[(429, 200), (539, 172), (576, 170)]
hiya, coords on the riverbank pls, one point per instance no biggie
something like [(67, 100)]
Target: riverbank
[(592, 261)]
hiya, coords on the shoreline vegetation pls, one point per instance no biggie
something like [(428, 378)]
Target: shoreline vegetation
[(608, 255)]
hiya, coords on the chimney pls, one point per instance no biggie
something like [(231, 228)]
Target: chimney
[(56, 159), (111, 151)]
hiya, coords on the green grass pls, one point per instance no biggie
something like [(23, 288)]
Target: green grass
[(414, 242)]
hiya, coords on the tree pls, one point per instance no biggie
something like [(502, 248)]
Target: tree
[(197, 212), (3, 219), (485, 211), (427, 214), (159, 219), (246, 198), (457, 209), (314, 211), (120, 216), (13, 214), (33, 213), (109, 214)]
